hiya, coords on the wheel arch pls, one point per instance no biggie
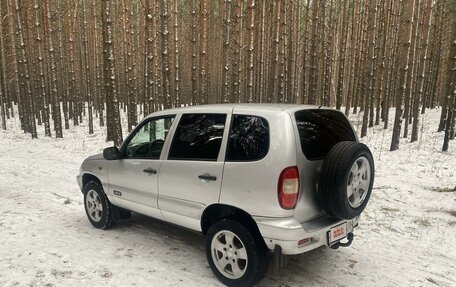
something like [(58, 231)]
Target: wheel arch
[(217, 212), (88, 177)]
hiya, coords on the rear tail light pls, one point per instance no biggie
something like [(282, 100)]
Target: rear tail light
[(288, 187)]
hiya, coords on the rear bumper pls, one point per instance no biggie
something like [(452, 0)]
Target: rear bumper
[(287, 232)]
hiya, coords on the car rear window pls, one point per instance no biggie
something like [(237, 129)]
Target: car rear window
[(248, 139), (198, 137), (320, 130)]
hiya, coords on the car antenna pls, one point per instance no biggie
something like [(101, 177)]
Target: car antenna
[(320, 106)]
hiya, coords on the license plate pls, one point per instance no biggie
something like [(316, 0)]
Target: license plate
[(337, 233)]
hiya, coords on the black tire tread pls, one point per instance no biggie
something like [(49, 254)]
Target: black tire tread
[(107, 219), (332, 185), (257, 253)]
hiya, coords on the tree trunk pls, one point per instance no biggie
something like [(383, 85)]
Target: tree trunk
[(194, 72), (251, 9), (451, 90), (370, 66), (312, 99), (392, 63), (2, 92), (42, 81), (411, 73), (342, 55), (226, 52), (54, 88), (177, 99), (165, 55), (407, 10), (204, 96), (261, 78), (18, 94), (72, 82), (25, 75), (148, 65), (112, 104), (3, 83), (89, 96), (421, 71)]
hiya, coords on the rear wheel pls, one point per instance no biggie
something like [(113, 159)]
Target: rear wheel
[(234, 255), (97, 206), (346, 181)]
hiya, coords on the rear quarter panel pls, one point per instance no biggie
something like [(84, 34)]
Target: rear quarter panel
[(308, 206), (252, 186)]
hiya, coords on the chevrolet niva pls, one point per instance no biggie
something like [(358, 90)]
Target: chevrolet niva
[(253, 178)]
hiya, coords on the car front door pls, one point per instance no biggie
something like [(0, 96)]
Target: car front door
[(133, 178), (190, 179)]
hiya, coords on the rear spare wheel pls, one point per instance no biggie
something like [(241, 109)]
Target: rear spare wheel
[(346, 179)]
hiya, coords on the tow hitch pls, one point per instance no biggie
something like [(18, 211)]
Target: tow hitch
[(344, 244)]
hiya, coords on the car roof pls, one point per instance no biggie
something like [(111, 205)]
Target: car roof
[(226, 108)]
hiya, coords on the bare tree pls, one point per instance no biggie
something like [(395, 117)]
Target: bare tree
[(25, 76), (165, 55), (312, 99), (342, 57), (87, 67), (370, 69), (72, 16), (54, 89), (407, 10), (194, 86), (251, 8), (112, 103), (261, 77), (226, 51), (3, 84), (451, 90), (421, 70), (42, 80), (177, 99), (204, 97)]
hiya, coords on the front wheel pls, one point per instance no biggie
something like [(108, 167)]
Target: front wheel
[(234, 255), (97, 206)]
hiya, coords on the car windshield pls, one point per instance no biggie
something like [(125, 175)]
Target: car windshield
[(319, 130)]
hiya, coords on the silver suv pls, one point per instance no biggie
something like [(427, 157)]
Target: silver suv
[(253, 178)]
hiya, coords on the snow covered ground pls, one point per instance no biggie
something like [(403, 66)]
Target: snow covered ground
[(406, 237)]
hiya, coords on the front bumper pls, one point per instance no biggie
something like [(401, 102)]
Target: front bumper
[(287, 232)]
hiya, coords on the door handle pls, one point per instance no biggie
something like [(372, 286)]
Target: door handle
[(207, 177), (150, 170)]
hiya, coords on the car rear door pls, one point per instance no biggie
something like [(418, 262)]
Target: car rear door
[(191, 176)]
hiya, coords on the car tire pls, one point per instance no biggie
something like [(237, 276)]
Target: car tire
[(97, 206), (346, 180), (234, 255)]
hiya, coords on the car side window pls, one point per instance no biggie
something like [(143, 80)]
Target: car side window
[(198, 137), (248, 139), (148, 141)]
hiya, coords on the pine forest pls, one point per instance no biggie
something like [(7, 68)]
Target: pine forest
[(66, 61)]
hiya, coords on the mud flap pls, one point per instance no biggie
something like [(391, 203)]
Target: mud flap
[(280, 260), (120, 213)]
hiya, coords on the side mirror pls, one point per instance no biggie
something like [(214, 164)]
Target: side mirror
[(111, 153)]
